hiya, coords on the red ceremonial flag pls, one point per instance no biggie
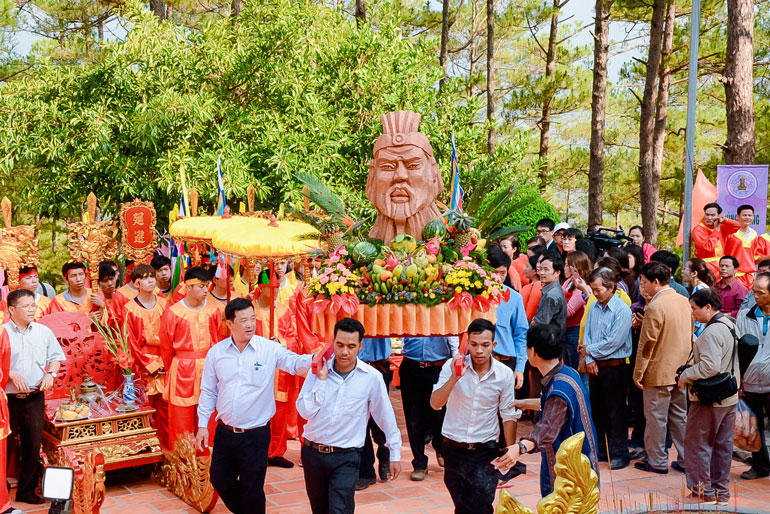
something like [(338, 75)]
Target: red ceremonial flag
[(703, 192)]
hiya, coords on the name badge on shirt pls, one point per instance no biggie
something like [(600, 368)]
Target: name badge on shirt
[(257, 365)]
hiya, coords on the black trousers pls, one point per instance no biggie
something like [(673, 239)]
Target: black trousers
[(330, 480), (421, 419), (26, 417), (608, 407), (470, 478), (760, 404), (510, 363), (238, 467), (373, 432)]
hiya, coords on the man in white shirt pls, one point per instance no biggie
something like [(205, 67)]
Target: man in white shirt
[(473, 399), (238, 381), (337, 404), (35, 360)]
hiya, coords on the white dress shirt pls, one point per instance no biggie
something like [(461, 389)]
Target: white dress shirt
[(337, 410), (31, 351), (473, 404), (240, 384)]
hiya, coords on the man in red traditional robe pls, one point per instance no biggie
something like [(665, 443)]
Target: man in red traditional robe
[(77, 298), (5, 424), (745, 245), (142, 316), (286, 423), (710, 234), (28, 279), (188, 329)]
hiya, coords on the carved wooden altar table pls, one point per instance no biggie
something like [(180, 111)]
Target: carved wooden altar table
[(125, 439)]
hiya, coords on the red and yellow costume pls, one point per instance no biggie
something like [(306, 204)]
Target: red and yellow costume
[(5, 419), (61, 304), (710, 242), (221, 306), (185, 338), (286, 423), (144, 329), (746, 249)]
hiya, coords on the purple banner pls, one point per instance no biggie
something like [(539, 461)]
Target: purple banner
[(738, 185)]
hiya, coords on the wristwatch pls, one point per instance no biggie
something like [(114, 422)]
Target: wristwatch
[(522, 448), (52, 373)]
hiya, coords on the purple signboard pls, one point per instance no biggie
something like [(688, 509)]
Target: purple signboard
[(738, 185)]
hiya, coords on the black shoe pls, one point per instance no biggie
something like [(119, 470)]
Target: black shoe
[(677, 467), (637, 454), (752, 474), (280, 462), (619, 463), (384, 469), (645, 466), (363, 483), (32, 499)]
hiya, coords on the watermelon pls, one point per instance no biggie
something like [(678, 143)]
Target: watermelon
[(433, 228), (364, 253)]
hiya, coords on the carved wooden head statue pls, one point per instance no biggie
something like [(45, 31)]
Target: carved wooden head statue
[(404, 179)]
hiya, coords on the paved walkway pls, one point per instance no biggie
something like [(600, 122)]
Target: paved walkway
[(129, 492)]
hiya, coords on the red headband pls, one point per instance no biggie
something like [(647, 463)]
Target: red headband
[(33, 271), (73, 269)]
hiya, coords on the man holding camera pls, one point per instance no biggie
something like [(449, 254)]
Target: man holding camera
[(708, 446)]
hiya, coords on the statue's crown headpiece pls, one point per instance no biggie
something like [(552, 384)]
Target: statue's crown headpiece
[(401, 128)]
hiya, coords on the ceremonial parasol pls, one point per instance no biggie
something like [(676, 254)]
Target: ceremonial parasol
[(250, 238)]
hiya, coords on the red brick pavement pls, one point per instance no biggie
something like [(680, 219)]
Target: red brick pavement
[(129, 492)]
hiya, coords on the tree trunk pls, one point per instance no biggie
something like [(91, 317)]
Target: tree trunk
[(158, 7), (491, 76), (739, 82), (360, 12), (598, 112), (444, 55), (648, 185), (545, 120), (235, 8), (664, 78)]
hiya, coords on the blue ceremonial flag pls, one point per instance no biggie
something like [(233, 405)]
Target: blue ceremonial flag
[(182, 210), (456, 202), (221, 183)]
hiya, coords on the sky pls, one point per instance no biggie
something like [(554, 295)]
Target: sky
[(579, 12)]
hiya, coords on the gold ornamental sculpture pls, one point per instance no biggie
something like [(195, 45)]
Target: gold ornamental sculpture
[(18, 246), (92, 242), (187, 475), (575, 491), (88, 491)]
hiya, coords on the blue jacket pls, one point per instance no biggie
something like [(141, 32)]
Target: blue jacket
[(511, 329), (567, 384)]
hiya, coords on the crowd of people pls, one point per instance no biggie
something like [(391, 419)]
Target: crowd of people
[(600, 339)]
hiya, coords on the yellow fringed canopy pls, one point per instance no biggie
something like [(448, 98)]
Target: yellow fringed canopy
[(246, 237)]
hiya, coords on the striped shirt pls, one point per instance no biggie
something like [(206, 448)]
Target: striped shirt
[(608, 331)]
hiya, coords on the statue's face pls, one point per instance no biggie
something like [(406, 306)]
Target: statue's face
[(403, 181)]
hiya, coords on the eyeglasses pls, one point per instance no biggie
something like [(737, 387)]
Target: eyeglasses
[(543, 230)]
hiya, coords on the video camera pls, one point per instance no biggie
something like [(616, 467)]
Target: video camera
[(605, 238)]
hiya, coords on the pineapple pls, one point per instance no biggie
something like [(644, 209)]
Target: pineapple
[(463, 226), (332, 234)]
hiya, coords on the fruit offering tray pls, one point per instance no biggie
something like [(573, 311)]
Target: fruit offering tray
[(124, 438)]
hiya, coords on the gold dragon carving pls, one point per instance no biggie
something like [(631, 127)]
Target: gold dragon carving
[(88, 491), (576, 490), (92, 241), (18, 246), (187, 475)]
